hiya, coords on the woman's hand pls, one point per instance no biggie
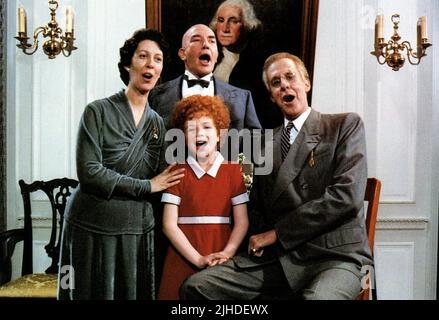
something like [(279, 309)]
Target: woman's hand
[(166, 179)]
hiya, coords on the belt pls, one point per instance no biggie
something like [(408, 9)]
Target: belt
[(204, 220)]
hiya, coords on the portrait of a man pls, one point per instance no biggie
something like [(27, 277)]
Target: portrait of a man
[(247, 31)]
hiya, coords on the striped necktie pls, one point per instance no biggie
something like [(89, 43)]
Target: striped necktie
[(285, 139)]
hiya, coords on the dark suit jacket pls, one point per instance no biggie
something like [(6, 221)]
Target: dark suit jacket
[(242, 110), (247, 74), (316, 210)]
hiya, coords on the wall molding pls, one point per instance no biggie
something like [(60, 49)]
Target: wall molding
[(395, 270), (402, 223), (38, 222), (398, 223)]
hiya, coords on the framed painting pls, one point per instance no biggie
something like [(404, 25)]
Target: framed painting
[(285, 25)]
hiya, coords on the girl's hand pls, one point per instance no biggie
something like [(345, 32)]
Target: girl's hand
[(203, 262), (166, 179), (217, 258)]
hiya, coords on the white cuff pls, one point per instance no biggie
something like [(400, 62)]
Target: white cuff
[(242, 198), (170, 198)]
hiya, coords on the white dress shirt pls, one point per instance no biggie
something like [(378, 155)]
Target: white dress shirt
[(298, 124)]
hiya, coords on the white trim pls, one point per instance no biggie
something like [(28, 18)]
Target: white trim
[(171, 198), (204, 220), (410, 223), (242, 198), (199, 172)]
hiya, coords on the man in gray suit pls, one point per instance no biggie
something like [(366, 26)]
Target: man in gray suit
[(199, 53), (308, 238)]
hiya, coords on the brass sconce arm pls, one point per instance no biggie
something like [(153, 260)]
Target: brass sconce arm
[(411, 54), (27, 48), (67, 44)]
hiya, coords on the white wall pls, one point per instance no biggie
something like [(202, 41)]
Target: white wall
[(401, 119), (49, 95)]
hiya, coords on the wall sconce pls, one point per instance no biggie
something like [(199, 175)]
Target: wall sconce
[(56, 42), (392, 51)]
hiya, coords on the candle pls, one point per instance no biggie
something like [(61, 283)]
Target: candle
[(423, 22), (379, 27), (21, 20), (69, 19), (419, 39)]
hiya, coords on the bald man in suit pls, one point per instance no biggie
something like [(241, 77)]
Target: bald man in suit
[(308, 238), (199, 53)]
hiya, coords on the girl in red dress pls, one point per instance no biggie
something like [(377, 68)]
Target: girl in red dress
[(196, 216)]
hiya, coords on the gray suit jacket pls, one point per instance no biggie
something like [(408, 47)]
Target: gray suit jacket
[(242, 110), (315, 208)]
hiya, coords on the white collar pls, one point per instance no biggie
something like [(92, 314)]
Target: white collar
[(300, 120), (199, 172), (191, 76)]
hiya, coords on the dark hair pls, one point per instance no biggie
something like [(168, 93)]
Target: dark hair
[(198, 106), (130, 46)]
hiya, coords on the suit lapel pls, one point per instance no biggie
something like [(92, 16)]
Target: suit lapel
[(168, 94), (223, 91), (306, 140), (177, 88)]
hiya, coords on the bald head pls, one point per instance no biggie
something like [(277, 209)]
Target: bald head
[(195, 29), (198, 50)]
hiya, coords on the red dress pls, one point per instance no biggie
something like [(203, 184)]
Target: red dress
[(205, 203)]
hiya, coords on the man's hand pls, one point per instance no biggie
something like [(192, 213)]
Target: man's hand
[(258, 242)]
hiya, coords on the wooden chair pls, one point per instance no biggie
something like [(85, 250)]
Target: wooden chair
[(372, 196), (42, 285)]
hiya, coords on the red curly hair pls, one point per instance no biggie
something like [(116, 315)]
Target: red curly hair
[(198, 106)]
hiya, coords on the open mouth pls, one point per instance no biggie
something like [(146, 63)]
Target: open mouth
[(288, 98), (205, 58), (147, 75), (201, 143)]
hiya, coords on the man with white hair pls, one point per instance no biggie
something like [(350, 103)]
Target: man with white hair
[(241, 54)]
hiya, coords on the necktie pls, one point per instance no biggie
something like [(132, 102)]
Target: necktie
[(193, 82), (285, 139)]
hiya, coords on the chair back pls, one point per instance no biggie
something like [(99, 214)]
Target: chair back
[(57, 192), (372, 196)]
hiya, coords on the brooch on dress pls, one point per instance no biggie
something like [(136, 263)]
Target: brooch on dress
[(155, 132)]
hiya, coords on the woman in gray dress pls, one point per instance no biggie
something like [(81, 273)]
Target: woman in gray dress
[(108, 235)]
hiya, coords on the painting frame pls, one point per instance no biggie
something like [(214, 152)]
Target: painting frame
[(153, 14), (288, 25)]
